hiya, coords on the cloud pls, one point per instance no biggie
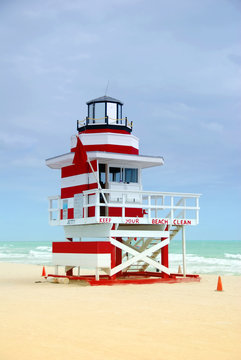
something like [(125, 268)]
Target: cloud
[(213, 126)]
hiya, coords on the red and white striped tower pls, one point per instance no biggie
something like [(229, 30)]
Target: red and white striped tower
[(111, 225)]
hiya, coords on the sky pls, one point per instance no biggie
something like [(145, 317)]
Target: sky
[(175, 65)]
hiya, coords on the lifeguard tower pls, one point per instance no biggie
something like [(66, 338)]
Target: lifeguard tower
[(111, 225)]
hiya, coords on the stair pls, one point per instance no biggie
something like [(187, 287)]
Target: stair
[(147, 243)]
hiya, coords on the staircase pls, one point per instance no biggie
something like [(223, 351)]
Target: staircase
[(146, 243)]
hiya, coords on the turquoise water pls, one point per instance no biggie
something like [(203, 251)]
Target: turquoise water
[(202, 257)]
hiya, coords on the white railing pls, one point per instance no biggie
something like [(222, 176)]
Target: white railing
[(104, 121), (96, 206)]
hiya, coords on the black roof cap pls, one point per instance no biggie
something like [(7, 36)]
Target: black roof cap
[(104, 99)]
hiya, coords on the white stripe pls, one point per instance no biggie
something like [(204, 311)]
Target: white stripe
[(109, 139), (89, 261), (82, 179)]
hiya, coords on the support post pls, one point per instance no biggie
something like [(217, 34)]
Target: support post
[(56, 270), (164, 258), (97, 276), (184, 250)]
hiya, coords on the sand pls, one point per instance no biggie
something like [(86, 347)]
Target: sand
[(160, 321)]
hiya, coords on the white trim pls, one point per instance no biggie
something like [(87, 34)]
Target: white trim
[(87, 261), (138, 233), (139, 256), (60, 161), (82, 179), (109, 139), (141, 161)]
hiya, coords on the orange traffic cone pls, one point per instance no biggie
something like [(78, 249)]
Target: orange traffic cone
[(219, 285), (43, 272), (179, 269)]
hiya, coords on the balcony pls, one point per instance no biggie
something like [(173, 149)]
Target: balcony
[(104, 122), (126, 207)]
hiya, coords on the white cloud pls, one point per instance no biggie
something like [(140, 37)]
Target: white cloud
[(213, 126)]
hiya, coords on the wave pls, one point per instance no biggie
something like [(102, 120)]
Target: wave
[(48, 248), (232, 256), (12, 256), (199, 264), (39, 254)]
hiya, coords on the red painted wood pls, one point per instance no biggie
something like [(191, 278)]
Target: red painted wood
[(114, 211), (118, 255), (134, 212), (72, 170), (120, 149), (91, 211), (82, 247), (70, 213), (129, 212), (72, 190), (164, 258), (105, 280), (69, 272)]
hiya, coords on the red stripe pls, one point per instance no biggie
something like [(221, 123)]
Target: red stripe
[(129, 212), (105, 131), (70, 213), (74, 247), (72, 170), (120, 149), (71, 191), (91, 211)]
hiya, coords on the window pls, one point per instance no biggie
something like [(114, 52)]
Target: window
[(131, 175), (115, 174), (100, 112), (128, 175), (102, 176), (91, 113), (119, 111), (112, 112)]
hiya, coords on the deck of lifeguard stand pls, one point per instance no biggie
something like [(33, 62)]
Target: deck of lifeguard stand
[(128, 278)]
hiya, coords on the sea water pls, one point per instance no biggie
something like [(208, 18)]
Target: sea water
[(202, 257)]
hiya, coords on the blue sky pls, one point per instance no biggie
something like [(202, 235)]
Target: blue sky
[(175, 65)]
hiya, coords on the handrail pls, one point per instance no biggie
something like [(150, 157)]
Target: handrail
[(105, 117), (158, 193), (154, 205), (120, 122)]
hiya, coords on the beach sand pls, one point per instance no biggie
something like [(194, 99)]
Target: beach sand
[(160, 321)]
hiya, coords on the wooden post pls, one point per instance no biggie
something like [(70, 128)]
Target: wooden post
[(184, 250), (97, 276), (164, 258)]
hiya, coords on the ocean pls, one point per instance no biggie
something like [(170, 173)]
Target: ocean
[(203, 257)]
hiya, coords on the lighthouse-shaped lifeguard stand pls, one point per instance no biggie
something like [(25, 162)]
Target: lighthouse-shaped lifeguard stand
[(112, 226)]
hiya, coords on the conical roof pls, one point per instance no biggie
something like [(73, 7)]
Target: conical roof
[(104, 99)]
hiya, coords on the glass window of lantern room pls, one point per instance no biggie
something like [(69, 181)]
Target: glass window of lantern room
[(131, 175), (91, 113), (112, 112), (119, 113), (100, 113)]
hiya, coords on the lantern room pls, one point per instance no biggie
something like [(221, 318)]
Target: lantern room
[(104, 112)]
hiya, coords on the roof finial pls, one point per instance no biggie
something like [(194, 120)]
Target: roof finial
[(106, 88)]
